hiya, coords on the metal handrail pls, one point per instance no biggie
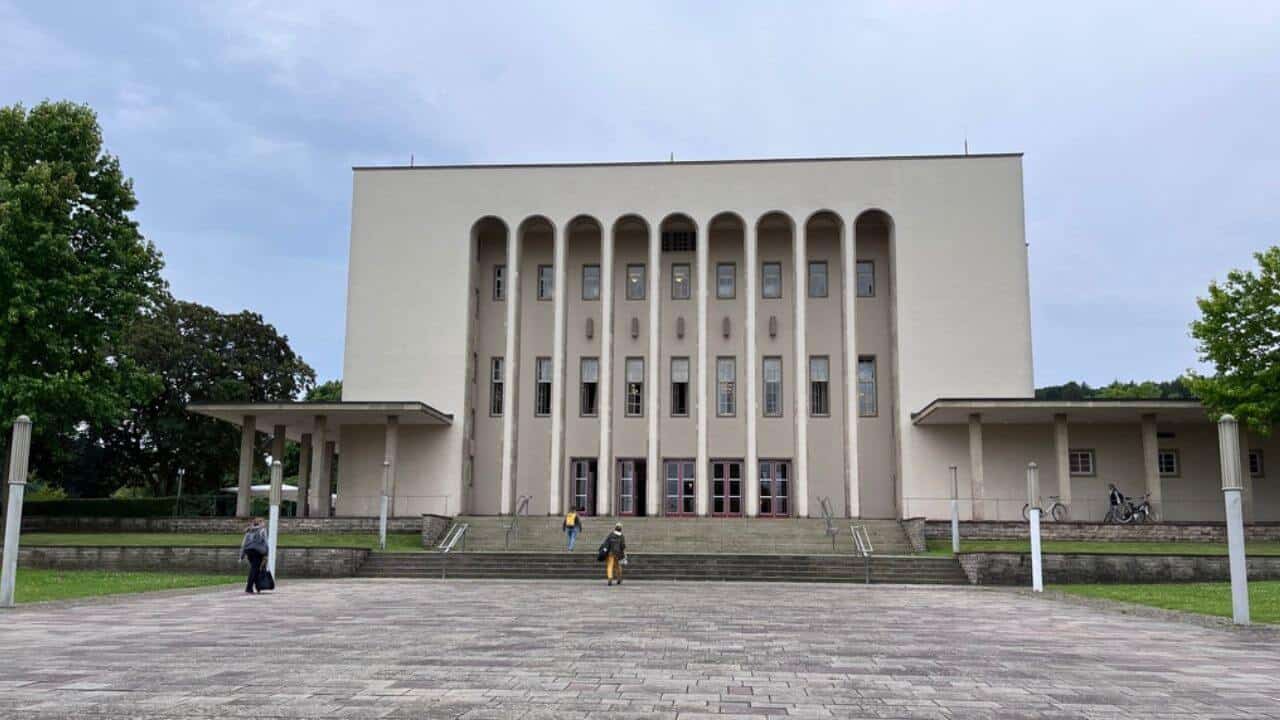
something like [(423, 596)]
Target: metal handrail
[(522, 507), (862, 542), (456, 533), (829, 517)]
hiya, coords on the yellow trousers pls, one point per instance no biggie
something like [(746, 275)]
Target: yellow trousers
[(612, 568)]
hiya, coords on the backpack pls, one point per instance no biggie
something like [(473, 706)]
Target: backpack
[(571, 519)]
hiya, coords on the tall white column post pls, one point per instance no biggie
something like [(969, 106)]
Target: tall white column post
[(604, 466), (955, 510), (391, 457), (384, 501), (511, 375), (303, 498), (19, 454), (1151, 465), (319, 481), (976, 469), (559, 299), (750, 327), (1033, 516), (800, 261), (279, 440), (849, 294), (702, 286), (248, 433), (1232, 484), (273, 513), (1061, 447), (654, 473)]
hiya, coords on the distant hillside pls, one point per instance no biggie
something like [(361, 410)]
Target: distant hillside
[(1148, 390)]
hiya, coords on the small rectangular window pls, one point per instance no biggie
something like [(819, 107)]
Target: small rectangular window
[(499, 282), (495, 385), (772, 368), (635, 387), (866, 278), (1255, 463), (679, 387), (819, 385), (818, 279), (1167, 460), (867, 393), (546, 282), (590, 393), (590, 282), (726, 387), (635, 282), (542, 386), (681, 285), (726, 280), (771, 280), (1080, 462), (679, 241)]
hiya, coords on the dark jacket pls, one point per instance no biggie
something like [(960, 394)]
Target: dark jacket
[(616, 544), (577, 521), (254, 539)]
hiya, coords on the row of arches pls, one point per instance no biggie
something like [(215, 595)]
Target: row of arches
[(678, 221)]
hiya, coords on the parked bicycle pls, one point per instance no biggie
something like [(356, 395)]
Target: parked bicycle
[(1124, 510), (1056, 510)]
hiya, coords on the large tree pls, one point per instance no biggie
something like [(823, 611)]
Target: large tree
[(74, 273), (1239, 333)]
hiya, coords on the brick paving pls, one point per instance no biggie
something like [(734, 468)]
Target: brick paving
[(564, 650)]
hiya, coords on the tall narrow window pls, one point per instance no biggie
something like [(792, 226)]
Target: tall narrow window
[(726, 387), (495, 385), (818, 279), (635, 282), (590, 282), (866, 278), (679, 387), (1255, 463), (542, 386), (546, 282), (681, 287), (867, 405), (819, 385), (772, 386), (726, 280), (635, 387), (499, 282), (590, 395), (771, 280)]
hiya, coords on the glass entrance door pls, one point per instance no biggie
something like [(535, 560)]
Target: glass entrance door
[(680, 487), (775, 488), (626, 487), (726, 488), (582, 486)]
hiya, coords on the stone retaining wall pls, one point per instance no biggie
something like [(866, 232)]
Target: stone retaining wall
[(1153, 532), (294, 525), (433, 529), (915, 530), (996, 568), (291, 562)]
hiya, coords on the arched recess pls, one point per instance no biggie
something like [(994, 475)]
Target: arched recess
[(580, 472), (825, 362), (624, 444), (729, 457), (531, 418), (481, 471), (879, 444), (775, 347)]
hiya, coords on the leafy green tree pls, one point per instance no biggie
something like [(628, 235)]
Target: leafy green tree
[(1177, 389), (1239, 333), (75, 273)]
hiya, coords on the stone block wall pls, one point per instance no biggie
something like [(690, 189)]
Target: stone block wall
[(291, 562), (1153, 532), (295, 525), (433, 530), (915, 530), (985, 568)]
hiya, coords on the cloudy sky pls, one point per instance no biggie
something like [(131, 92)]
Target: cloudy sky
[(1151, 131)]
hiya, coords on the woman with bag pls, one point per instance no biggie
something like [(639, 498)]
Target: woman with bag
[(614, 552), (254, 548)]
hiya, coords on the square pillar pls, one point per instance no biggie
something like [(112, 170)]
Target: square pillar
[(391, 453), (702, 462), (800, 260), (752, 381), (604, 469), (248, 433), (1061, 448), (325, 506), (849, 296), (557, 472), (976, 469), (511, 375), (1151, 464), (319, 441), (654, 491), (303, 501)]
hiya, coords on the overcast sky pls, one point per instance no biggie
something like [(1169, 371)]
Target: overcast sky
[(1150, 130)]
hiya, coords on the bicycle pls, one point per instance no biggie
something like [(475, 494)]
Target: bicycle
[(1056, 510)]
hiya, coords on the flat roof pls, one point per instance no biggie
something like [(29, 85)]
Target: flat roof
[(644, 163), (1030, 411), (299, 417)]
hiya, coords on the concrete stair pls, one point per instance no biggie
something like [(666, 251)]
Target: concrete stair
[(743, 536), (582, 565)]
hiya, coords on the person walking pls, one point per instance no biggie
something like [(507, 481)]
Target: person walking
[(616, 548), (572, 527), (254, 548)]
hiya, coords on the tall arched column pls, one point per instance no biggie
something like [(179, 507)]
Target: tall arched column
[(752, 382), (604, 466), (511, 374), (654, 475), (556, 474), (849, 294), (701, 486), (799, 260)]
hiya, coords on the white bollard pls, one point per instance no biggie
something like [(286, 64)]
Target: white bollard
[(1229, 452), (955, 512), (1033, 500), (273, 521), (18, 456), (382, 513)]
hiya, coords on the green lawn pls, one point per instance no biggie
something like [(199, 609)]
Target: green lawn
[(41, 585), (1204, 598), (943, 547), (396, 542)]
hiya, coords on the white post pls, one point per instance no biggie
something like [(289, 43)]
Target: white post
[(604, 468), (1033, 499), (382, 512), (511, 376), (752, 478), (955, 511), (556, 474), (1229, 452), (701, 285), (653, 494), (849, 293), (273, 519), (18, 455), (800, 261)]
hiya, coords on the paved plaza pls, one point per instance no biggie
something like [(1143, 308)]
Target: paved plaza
[(563, 650)]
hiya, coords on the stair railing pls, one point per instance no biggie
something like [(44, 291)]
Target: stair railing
[(862, 544), (522, 508), (456, 534), (829, 517)]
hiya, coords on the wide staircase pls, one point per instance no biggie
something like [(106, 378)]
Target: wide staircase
[(682, 549)]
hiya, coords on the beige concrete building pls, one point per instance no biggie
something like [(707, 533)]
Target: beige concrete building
[(744, 338)]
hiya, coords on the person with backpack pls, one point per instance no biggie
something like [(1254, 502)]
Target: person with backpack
[(572, 526), (254, 548), (614, 550)]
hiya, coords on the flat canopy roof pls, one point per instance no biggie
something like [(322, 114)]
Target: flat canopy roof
[(1029, 411), (299, 417)]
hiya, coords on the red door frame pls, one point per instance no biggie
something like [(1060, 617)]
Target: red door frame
[(685, 489), (772, 466), (725, 491)]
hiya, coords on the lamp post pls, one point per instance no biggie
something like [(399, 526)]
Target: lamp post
[(18, 455), (1232, 485), (273, 526), (955, 512), (1033, 516), (382, 512)]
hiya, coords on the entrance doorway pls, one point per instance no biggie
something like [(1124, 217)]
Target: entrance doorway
[(631, 486), (582, 485), (726, 488), (680, 488), (775, 488)]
